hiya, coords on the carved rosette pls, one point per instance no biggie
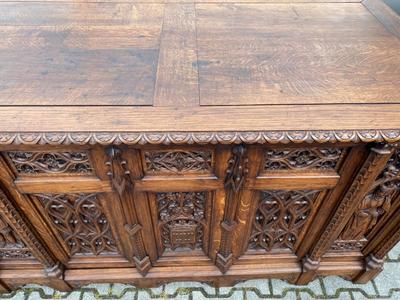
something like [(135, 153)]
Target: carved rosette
[(178, 161), (374, 205), (235, 175), (81, 222), (280, 218), (182, 219), (50, 162), (302, 159)]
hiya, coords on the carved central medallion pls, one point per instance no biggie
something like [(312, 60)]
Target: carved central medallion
[(181, 219)]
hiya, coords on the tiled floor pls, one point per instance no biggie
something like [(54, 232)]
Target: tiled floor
[(385, 286)]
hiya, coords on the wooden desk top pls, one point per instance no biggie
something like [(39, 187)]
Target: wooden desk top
[(200, 66)]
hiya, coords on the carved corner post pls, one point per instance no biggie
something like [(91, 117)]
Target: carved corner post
[(374, 164), (54, 270), (373, 263), (123, 184), (235, 176)]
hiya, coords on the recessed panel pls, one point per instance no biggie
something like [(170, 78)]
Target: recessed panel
[(78, 53), (295, 54)]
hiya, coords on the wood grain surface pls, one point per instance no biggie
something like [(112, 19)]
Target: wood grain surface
[(198, 65)]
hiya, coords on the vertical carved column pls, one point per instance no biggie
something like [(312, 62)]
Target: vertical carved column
[(54, 270), (371, 168), (235, 175), (373, 263), (123, 184)]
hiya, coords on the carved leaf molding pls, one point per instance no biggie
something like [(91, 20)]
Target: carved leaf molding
[(235, 137)]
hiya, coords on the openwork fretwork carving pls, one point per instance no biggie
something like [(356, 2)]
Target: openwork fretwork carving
[(50, 162), (11, 246), (301, 159), (178, 161), (80, 221), (280, 218), (182, 219), (373, 206)]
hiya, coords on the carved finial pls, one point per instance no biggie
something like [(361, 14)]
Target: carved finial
[(237, 168), (118, 170)]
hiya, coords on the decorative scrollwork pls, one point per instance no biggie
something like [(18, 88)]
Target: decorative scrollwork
[(182, 219), (50, 162), (11, 246), (178, 161), (80, 221), (280, 218), (301, 159)]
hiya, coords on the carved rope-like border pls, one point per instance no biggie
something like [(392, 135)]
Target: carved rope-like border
[(248, 137)]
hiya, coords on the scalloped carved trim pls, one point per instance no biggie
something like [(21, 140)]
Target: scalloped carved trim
[(260, 137)]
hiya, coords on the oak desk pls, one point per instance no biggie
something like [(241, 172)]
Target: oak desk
[(214, 140)]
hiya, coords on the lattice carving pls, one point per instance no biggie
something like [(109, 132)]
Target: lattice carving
[(178, 161), (50, 162), (182, 219), (11, 245), (280, 218), (80, 221), (302, 159), (373, 206)]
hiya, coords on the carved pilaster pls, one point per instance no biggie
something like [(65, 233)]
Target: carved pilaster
[(371, 168), (14, 219), (141, 259), (235, 176), (54, 270), (123, 184)]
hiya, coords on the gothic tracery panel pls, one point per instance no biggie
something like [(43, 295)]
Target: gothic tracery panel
[(280, 218), (182, 218), (50, 162), (81, 222), (302, 159), (178, 161)]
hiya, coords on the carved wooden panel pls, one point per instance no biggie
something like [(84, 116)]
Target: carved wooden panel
[(178, 161), (80, 220), (376, 203), (280, 218), (50, 162), (302, 159), (182, 219), (11, 245)]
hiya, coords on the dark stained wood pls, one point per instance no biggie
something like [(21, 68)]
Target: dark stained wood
[(147, 142)]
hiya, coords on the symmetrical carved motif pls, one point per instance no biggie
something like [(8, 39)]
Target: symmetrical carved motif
[(11, 246), (301, 159), (373, 206), (233, 137), (235, 175), (80, 221), (280, 218), (182, 219), (178, 161), (50, 162)]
